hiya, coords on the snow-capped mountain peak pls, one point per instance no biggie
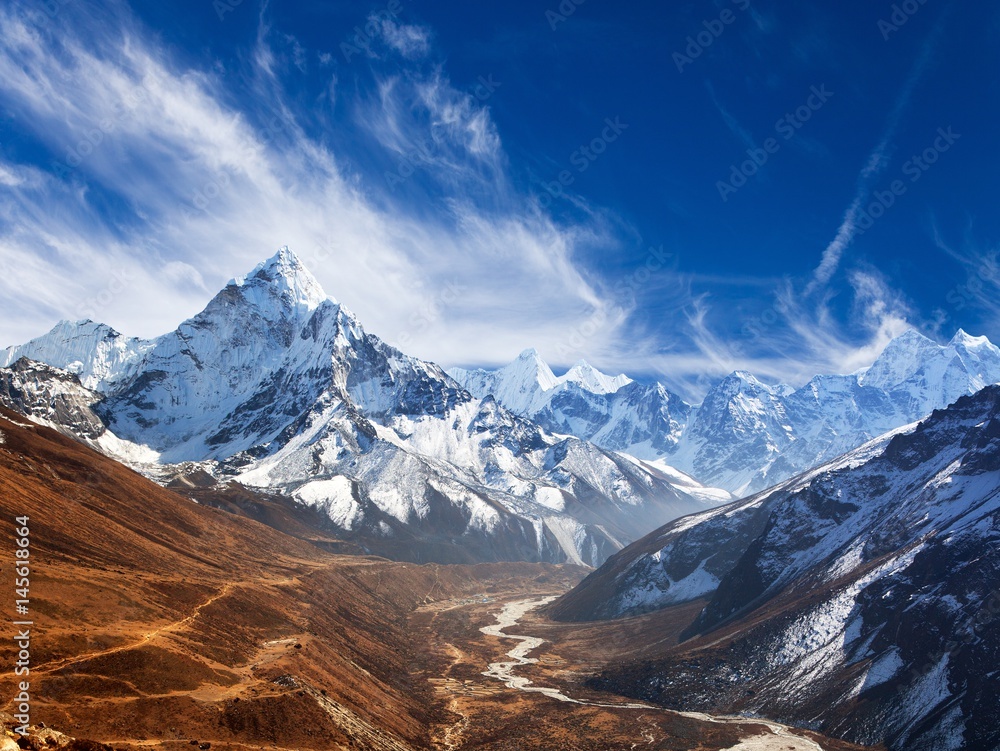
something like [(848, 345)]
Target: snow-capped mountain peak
[(866, 587), (284, 275), (744, 382), (900, 361), (747, 434), (527, 384), (519, 385), (980, 345), (94, 352), (616, 412), (591, 379), (966, 339), (530, 368)]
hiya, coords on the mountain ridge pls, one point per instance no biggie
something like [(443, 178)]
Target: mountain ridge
[(278, 387), (746, 435), (863, 592)]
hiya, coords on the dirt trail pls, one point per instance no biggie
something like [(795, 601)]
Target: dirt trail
[(145, 639), (783, 738)]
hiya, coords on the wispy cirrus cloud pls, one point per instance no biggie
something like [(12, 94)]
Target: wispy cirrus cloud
[(979, 294), (798, 318), (734, 125), (875, 165), (821, 343), (161, 179), (410, 40), (182, 186)]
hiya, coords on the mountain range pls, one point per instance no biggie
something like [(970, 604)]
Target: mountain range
[(852, 589), (162, 624), (278, 387), (745, 435), (860, 599)]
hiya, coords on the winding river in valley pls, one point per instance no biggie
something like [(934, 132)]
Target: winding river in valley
[(510, 616)]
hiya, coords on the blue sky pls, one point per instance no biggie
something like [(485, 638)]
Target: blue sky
[(672, 190)]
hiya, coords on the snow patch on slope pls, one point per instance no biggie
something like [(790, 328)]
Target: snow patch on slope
[(335, 497)]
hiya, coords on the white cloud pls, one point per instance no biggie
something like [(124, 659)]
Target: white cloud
[(462, 270), (211, 189), (787, 341), (407, 39), (8, 176), (875, 166), (184, 275)]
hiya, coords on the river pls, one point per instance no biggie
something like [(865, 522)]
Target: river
[(782, 739)]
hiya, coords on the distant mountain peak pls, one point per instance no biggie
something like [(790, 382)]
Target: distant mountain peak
[(746, 376), (911, 355), (528, 372), (742, 381), (96, 353), (277, 387), (591, 379), (962, 339), (909, 336)]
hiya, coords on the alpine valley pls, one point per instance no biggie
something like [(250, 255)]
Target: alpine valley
[(576, 561), (861, 598)]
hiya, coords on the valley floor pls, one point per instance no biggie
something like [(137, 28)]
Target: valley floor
[(426, 685), (513, 680)]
